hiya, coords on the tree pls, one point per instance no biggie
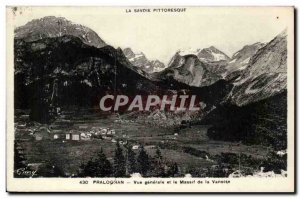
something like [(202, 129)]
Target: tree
[(19, 158), (131, 162), (98, 166), (119, 162), (159, 170), (173, 170), (158, 155), (143, 164)]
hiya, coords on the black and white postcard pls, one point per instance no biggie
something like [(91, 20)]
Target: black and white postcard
[(150, 99)]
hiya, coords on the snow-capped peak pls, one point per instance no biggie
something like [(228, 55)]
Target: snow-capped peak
[(212, 54), (188, 51), (140, 60)]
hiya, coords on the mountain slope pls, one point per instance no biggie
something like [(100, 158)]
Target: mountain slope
[(50, 26), (65, 72), (266, 74), (255, 111)]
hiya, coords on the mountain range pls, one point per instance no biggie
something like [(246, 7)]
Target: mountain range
[(61, 64)]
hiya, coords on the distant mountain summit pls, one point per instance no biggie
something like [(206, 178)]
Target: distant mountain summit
[(198, 68), (188, 69), (51, 26), (212, 54), (140, 60), (240, 60)]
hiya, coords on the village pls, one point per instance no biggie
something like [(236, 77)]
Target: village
[(80, 133), (62, 130)]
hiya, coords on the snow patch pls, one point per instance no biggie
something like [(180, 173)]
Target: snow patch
[(243, 67), (157, 69), (236, 54), (240, 81), (188, 52), (139, 55), (233, 61), (246, 61), (218, 56)]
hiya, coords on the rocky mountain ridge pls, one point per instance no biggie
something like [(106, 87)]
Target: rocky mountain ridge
[(51, 26), (140, 61)]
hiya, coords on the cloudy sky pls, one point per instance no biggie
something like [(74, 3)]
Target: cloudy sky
[(160, 35)]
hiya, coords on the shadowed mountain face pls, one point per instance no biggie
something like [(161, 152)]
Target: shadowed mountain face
[(263, 122), (49, 27), (63, 71)]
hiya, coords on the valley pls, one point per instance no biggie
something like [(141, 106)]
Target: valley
[(189, 147)]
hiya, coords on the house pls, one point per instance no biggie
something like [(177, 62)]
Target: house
[(84, 136), (106, 137), (55, 136), (122, 142), (112, 132), (73, 135), (96, 129), (135, 147), (76, 136), (103, 131), (68, 136), (235, 174)]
